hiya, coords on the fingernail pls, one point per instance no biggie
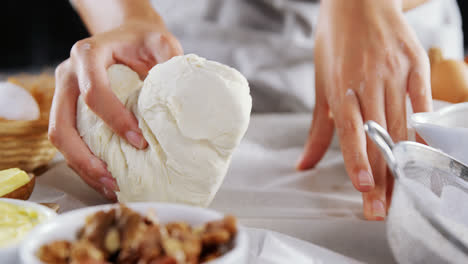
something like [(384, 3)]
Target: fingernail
[(299, 163), (365, 178), (135, 139), (109, 184), (106, 191), (378, 209), (109, 194), (95, 163)]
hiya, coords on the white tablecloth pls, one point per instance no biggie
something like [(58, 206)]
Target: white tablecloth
[(263, 189)]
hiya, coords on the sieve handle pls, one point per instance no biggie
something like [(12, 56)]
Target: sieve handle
[(385, 143)]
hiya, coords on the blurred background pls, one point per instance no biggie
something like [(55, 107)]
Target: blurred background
[(42, 34)]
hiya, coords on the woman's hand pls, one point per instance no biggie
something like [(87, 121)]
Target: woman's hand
[(367, 60), (137, 44)]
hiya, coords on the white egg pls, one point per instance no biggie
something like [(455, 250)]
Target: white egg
[(16, 103)]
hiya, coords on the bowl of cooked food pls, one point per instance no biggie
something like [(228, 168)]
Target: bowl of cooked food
[(137, 233), (17, 219)]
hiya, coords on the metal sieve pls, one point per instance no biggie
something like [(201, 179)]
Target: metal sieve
[(417, 233)]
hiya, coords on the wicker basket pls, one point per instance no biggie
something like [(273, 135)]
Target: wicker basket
[(24, 144)]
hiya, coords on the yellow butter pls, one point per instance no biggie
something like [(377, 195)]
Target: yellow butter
[(16, 221), (12, 179)]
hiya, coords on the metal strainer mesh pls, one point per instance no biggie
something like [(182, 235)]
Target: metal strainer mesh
[(417, 232)]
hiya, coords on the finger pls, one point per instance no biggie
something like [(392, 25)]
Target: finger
[(395, 103), (137, 57), (322, 127), (91, 66), (320, 137), (390, 184), (350, 127), (63, 134), (163, 46), (374, 201), (419, 85), (107, 190), (138, 66), (157, 47)]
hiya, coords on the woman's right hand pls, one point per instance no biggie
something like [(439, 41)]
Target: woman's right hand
[(139, 45)]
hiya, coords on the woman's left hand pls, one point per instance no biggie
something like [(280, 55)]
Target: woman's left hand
[(367, 60)]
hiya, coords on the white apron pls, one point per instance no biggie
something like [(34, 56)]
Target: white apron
[(271, 41)]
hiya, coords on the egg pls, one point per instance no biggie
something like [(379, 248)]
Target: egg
[(449, 78), (16, 103)]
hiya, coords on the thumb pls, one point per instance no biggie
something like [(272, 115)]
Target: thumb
[(320, 136)]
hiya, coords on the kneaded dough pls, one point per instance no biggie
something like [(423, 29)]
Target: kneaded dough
[(193, 112)]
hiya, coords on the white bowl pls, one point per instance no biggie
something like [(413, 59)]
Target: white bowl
[(66, 226), (445, 129), (9, 254)]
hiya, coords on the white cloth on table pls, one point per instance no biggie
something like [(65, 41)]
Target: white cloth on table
[(269, 247), (263, 189)]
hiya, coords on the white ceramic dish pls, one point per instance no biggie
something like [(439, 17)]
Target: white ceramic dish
[(9, 254), (65, 227), (445, 129)]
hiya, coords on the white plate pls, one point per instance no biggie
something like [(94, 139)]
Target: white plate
[(9, 254), (445, 129), (66, 226)]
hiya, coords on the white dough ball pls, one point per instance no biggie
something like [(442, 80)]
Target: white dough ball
[(193, 113), (16, 103)]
